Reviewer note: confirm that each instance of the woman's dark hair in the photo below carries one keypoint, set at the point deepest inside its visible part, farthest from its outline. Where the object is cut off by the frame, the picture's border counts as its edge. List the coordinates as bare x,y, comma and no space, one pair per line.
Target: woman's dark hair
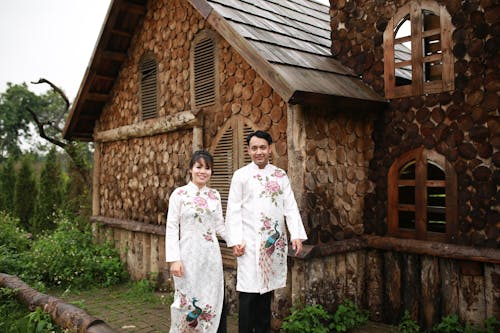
261,135
201,155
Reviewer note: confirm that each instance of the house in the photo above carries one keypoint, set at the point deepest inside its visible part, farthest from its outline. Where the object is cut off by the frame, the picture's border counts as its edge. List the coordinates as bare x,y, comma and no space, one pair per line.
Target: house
390,139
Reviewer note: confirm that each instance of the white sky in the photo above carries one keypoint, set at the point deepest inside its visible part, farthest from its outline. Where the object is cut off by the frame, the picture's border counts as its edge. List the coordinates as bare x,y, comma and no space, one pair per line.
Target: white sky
53,39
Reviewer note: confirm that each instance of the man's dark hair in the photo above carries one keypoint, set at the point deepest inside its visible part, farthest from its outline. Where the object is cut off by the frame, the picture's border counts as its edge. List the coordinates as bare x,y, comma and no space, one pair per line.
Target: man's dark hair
261,135
201,155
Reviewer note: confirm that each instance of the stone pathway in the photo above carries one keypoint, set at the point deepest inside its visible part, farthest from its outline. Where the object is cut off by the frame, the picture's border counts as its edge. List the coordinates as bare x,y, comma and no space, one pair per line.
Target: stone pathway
150,315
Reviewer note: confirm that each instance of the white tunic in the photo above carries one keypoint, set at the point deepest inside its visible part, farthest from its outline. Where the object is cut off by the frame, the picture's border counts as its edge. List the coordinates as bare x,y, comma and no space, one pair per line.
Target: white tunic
194,217
259,201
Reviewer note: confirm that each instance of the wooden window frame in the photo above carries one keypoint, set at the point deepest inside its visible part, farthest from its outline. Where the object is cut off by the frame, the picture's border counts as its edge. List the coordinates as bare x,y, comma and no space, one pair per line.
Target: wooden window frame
421,157
209,91
418,86
149,88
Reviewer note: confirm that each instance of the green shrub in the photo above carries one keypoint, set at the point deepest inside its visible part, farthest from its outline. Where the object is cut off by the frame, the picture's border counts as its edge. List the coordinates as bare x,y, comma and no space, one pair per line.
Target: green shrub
408,325
67,257
14,244
314,318
308,319
348,316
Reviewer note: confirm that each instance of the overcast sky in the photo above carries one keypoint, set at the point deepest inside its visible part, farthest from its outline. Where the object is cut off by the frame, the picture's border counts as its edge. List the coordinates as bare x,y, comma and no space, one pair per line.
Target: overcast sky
53,39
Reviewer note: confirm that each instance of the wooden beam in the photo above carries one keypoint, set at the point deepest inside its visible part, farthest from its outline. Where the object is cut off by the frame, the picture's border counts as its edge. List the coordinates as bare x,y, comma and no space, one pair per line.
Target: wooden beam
437,249
116,56
160,125
98,97
130,225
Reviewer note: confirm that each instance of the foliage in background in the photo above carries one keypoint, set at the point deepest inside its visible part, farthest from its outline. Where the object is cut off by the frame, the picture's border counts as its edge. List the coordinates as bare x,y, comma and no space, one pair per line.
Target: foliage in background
452,324
15,118
315,319
7,185
49,194
25,193
66,257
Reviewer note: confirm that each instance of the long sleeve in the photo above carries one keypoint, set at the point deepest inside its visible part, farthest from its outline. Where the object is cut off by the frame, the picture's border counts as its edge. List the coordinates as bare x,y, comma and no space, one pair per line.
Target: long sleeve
172,249
234,222
291,212
220,227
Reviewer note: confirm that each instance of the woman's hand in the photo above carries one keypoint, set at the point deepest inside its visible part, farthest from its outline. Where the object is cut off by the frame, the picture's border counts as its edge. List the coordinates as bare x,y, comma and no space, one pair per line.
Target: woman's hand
177,269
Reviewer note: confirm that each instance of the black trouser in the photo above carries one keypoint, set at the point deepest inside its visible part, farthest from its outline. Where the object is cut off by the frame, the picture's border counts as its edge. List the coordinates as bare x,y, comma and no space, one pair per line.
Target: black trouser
223,318
255,313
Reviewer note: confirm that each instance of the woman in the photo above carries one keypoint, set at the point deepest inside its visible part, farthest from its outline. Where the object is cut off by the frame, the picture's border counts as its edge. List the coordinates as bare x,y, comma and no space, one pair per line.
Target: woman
194,217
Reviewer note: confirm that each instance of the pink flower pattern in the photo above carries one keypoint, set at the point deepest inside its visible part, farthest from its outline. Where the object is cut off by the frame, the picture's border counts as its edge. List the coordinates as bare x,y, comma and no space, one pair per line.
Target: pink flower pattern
272,188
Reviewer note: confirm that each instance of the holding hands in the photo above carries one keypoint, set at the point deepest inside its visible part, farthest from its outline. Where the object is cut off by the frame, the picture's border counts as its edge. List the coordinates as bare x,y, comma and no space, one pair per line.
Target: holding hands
239,250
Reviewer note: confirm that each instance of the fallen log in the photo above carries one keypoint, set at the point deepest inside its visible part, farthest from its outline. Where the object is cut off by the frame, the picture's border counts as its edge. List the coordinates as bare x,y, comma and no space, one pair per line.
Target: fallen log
64,315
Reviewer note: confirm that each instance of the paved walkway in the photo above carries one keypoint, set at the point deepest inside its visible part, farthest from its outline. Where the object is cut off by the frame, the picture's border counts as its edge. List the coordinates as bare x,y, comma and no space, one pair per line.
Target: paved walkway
127,314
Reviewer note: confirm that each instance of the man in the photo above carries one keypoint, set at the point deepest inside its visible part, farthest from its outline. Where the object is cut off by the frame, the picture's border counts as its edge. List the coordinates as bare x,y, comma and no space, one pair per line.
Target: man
260,202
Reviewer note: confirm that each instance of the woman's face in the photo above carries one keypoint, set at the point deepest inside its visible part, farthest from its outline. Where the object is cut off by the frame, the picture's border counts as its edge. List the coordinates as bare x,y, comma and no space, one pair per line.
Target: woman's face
200,173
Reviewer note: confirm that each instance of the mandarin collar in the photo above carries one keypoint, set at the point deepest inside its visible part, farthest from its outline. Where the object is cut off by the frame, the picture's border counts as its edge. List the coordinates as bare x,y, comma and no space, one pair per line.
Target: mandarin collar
256,167
196,188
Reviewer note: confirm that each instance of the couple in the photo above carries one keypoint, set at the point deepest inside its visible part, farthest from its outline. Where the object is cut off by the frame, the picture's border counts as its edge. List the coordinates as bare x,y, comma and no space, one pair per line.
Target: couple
260,198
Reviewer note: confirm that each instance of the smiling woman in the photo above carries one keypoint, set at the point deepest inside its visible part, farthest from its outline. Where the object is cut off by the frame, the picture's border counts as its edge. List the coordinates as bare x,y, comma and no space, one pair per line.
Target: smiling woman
52,39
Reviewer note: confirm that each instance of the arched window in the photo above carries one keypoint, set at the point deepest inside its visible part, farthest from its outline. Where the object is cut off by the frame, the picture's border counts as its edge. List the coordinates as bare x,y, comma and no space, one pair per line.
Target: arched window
418,56
422,197
204,70
230,154
149,90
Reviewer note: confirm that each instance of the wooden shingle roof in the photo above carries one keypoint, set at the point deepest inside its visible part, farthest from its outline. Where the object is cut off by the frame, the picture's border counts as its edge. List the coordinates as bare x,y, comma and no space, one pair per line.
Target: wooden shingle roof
287,42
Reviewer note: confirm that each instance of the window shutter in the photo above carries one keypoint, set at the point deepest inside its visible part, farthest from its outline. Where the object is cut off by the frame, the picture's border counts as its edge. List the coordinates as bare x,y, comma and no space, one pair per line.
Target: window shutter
223,166
148,68
204,73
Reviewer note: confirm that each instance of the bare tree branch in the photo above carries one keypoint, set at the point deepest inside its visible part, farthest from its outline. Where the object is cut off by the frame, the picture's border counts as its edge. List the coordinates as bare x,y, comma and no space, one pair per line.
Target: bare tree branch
56,89
41,130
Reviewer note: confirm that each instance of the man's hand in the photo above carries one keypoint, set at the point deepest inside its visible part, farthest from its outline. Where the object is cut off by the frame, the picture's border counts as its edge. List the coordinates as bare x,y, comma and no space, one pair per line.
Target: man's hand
177,268
297,246
239,250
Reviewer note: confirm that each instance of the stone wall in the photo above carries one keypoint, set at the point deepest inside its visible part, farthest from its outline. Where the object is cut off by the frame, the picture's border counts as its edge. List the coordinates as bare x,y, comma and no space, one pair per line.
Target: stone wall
339,149
463,125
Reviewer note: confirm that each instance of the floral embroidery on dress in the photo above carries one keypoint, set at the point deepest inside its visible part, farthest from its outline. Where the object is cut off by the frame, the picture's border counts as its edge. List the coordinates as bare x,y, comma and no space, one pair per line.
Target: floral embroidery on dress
197,318
208,236
272,188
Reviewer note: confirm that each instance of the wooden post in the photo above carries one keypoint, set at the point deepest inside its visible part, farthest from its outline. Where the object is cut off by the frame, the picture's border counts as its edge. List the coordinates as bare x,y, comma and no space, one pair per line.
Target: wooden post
197,138
296,141
95,179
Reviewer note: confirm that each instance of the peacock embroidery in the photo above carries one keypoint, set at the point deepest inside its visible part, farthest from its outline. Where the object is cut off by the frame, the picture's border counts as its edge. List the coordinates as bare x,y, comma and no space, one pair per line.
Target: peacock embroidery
272,243
196,318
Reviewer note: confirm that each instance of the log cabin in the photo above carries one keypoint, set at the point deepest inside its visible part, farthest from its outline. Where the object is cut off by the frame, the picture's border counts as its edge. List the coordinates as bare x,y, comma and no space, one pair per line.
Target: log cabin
384,114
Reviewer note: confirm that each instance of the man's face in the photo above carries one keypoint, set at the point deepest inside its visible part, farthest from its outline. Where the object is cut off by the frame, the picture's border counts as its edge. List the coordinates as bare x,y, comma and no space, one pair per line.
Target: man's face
259,150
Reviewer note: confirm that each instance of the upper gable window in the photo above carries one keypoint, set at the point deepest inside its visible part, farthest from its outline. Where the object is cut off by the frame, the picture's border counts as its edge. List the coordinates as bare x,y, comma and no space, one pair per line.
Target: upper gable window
149,90
418,56
204,70
422,196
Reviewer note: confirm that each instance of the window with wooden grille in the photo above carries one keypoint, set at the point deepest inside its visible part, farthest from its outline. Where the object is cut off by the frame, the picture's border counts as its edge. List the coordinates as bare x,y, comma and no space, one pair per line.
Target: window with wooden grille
230,154
418,56
422,197
149,91
204,70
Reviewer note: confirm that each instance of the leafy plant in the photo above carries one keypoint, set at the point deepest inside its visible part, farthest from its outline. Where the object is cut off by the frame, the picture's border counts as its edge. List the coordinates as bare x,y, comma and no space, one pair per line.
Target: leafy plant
408,325
449,324
308,319
491,325
348,316
40,321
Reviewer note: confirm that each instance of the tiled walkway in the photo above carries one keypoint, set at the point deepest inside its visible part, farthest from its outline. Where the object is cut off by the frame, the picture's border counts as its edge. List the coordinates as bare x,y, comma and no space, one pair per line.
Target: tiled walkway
149,315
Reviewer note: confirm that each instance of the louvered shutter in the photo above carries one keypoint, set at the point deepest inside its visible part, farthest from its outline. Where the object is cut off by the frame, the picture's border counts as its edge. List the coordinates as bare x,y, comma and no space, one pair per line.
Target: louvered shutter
223,166
148,87
204,73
